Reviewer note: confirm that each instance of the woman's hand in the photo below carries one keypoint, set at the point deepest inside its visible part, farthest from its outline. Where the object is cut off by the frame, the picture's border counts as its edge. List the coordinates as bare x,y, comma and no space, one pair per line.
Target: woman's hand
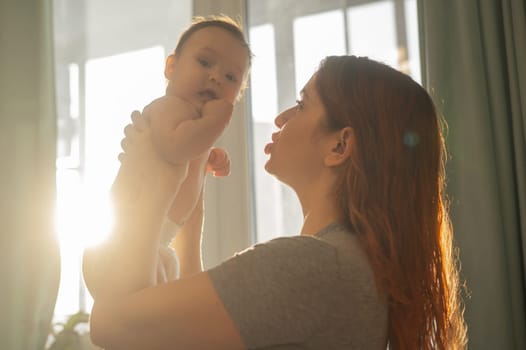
218,162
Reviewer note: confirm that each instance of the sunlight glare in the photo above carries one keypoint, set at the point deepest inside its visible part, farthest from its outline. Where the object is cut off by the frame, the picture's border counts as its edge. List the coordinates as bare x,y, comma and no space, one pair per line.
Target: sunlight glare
83,217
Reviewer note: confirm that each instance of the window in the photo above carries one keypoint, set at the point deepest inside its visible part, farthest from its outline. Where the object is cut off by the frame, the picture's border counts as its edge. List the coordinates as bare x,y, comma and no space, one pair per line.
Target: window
289,38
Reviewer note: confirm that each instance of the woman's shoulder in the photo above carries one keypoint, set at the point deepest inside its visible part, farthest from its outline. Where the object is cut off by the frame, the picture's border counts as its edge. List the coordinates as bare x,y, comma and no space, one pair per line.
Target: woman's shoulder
332,252
323,239
350,252
296,250
282,259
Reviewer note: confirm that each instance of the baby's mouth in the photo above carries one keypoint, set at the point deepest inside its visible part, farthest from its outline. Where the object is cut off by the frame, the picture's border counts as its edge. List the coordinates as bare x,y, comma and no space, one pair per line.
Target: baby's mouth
208,95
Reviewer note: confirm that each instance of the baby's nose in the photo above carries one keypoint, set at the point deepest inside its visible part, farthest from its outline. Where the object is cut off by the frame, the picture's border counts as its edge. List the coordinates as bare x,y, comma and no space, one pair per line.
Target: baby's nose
214,76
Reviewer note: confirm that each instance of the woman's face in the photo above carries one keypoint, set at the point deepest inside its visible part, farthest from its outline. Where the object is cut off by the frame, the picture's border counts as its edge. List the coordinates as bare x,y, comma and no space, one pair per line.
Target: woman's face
297,148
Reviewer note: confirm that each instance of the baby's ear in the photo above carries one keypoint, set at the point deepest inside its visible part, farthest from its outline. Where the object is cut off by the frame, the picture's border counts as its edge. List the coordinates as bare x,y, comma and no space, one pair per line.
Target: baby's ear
341,147
169,67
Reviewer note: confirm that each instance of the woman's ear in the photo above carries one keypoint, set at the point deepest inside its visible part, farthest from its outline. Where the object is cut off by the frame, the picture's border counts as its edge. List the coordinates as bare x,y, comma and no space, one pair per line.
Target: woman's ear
341,147
169,67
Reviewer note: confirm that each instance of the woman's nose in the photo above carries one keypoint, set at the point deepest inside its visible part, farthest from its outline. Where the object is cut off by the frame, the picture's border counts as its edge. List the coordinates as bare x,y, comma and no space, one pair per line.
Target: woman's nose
282,118
278,121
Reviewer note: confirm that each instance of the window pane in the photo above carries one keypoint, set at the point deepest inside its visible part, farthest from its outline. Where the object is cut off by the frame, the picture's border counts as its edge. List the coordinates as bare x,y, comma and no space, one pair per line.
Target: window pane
137,78
413,49
315,37
68,192
264,107
372,31
263,74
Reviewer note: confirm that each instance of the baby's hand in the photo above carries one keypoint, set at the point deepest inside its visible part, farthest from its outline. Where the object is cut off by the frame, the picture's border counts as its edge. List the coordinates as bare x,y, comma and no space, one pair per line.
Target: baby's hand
218,162
218,109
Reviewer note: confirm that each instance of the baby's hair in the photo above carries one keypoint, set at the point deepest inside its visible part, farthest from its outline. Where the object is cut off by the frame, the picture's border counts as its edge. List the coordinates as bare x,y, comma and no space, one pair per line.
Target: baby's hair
221,21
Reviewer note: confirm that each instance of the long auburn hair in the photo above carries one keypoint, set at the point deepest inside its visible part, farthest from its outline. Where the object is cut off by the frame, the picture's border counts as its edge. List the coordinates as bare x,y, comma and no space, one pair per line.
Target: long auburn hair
392,193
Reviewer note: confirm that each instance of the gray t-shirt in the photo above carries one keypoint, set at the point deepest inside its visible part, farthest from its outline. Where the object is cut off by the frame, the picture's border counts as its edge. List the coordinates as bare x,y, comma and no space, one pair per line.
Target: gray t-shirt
304,292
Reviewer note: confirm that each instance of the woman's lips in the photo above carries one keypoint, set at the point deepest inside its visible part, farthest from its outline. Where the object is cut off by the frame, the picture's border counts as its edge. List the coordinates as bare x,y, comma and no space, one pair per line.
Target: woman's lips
268,148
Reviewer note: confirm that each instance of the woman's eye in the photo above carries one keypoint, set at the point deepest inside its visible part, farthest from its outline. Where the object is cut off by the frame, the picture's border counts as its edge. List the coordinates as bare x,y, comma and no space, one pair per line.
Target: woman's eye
299,104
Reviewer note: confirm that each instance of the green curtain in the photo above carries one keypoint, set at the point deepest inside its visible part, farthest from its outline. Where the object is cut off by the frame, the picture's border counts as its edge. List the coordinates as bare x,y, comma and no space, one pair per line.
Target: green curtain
474,64
29,269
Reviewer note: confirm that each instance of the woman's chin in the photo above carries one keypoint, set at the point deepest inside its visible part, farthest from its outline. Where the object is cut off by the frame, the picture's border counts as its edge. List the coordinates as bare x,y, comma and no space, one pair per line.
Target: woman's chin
268,167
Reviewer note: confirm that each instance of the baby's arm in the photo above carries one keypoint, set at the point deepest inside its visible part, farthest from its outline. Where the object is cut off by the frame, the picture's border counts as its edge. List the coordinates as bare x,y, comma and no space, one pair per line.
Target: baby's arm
194,137
187,138
165,115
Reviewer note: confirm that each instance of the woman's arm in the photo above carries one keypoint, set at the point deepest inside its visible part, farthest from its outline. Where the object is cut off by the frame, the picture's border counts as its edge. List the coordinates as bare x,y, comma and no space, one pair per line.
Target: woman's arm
184,314
187,243
132,313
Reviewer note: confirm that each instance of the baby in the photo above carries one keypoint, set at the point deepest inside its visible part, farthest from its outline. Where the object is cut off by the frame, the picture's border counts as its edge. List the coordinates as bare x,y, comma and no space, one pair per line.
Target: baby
205,74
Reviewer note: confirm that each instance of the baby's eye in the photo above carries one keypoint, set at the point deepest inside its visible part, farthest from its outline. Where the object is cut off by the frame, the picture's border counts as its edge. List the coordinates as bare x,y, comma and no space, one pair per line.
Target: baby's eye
203,62
231,77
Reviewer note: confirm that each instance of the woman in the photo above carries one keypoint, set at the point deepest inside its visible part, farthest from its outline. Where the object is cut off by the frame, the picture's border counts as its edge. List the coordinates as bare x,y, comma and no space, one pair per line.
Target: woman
373,264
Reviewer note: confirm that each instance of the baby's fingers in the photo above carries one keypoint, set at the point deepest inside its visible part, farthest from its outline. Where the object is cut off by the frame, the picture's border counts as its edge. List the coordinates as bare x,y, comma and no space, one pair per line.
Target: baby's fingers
139,120
132,138
224,171
129,134
219,162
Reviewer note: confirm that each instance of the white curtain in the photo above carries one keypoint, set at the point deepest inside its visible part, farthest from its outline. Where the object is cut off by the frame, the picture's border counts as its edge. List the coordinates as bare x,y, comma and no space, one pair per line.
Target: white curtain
29,266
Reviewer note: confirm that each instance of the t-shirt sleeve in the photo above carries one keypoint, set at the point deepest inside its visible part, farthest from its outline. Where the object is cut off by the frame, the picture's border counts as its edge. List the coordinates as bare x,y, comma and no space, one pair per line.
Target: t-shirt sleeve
278,292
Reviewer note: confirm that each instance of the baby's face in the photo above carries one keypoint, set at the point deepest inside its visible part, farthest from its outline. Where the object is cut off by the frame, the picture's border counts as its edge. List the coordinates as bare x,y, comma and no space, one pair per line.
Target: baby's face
212,65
